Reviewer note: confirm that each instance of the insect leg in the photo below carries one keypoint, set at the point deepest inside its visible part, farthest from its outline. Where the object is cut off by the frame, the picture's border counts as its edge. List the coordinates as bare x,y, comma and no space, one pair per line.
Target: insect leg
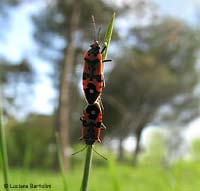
80,150
98,134
104,48
101,104
103,127
99,154
108,60
83,134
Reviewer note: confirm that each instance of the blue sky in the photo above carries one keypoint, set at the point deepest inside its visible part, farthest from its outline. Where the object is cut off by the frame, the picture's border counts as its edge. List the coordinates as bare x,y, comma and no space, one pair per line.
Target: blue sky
184,9
19,43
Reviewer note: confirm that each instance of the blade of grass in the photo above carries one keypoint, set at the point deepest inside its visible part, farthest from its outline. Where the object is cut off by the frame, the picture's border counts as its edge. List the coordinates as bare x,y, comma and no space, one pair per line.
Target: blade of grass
27,155
61,164
108,36
3,144
88,159
113,174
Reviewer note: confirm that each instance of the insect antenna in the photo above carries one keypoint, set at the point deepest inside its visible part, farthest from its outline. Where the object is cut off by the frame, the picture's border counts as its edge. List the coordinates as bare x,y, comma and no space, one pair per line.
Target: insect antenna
79,150
94,26
99,154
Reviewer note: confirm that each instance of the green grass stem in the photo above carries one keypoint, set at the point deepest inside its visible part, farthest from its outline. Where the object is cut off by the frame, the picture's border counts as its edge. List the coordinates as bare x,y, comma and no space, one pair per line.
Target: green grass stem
27,156
3,144
88,161
61,163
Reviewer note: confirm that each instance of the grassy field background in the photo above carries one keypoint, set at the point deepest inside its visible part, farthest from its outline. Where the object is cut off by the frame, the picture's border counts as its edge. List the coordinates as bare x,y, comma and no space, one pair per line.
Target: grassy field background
111,176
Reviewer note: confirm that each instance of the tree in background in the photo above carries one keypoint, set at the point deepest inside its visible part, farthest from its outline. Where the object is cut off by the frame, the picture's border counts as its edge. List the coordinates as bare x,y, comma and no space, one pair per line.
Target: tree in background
29,142
12,74
175,144
156,68
156,150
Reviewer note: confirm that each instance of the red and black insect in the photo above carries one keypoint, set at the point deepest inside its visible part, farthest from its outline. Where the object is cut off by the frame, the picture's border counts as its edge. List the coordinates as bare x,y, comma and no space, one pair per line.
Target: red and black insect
93,79
91,126
91,123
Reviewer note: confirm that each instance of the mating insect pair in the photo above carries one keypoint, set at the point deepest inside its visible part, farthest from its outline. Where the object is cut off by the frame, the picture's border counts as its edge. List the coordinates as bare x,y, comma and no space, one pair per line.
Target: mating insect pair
93,82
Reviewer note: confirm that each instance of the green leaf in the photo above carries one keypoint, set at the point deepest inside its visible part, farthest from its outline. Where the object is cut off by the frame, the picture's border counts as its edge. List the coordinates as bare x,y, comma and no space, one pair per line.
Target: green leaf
3,144
61,163
108,36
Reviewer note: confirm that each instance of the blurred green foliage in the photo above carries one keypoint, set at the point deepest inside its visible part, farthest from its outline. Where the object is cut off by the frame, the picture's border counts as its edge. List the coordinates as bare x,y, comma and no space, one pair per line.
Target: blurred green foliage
195,150
108,175
155,152
181,176
30,142
155,68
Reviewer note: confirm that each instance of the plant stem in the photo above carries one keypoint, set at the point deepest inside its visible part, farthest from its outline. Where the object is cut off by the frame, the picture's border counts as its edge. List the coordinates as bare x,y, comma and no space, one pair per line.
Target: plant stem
3,145
61,163
88,161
